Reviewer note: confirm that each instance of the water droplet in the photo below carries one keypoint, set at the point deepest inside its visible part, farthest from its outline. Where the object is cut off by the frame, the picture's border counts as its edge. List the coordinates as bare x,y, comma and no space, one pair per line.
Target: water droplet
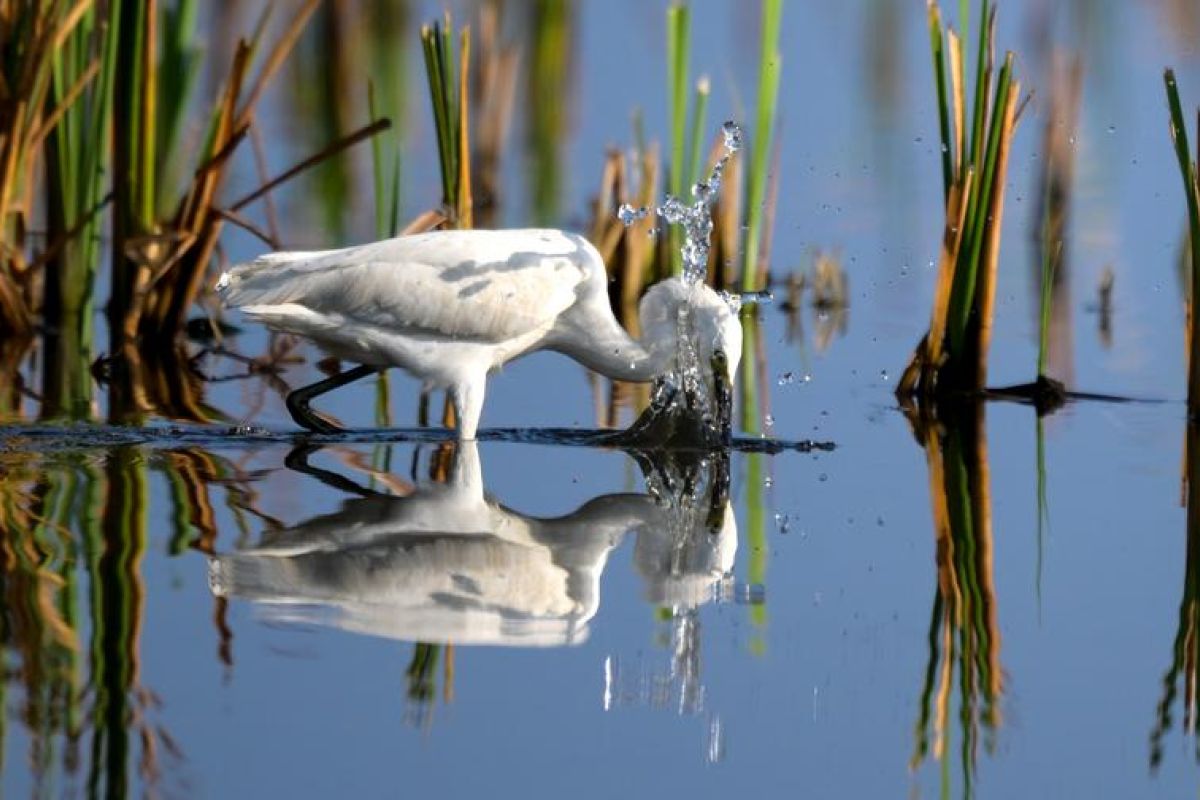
768,482
1112,128
883,374
822,477
769,421
787,378
628,215
783,522
806,378
753,594
733,136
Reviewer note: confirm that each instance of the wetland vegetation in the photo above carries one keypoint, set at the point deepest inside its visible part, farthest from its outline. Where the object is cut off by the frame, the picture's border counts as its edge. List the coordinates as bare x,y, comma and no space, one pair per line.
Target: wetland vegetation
195,593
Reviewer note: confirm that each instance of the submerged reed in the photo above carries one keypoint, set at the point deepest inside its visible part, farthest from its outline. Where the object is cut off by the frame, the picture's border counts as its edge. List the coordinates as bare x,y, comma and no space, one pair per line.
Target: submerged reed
952,356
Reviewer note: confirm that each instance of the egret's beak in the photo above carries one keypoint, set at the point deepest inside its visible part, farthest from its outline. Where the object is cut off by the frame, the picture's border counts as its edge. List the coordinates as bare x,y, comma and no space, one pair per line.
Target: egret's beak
723,396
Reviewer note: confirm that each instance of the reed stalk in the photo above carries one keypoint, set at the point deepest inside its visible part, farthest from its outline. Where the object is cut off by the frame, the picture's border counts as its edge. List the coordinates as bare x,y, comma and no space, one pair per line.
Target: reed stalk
47,62
1053,210
769,68
77,158
450,101
952,356
1187,171
449,98
550,97
678,55
698,125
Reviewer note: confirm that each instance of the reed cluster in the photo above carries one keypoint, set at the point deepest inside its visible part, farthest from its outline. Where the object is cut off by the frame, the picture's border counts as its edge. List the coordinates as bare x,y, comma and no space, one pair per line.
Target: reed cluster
97,96
975,143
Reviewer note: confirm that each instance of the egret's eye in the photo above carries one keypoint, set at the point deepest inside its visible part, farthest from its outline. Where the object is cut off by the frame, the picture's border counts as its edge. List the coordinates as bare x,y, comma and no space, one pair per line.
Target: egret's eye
720,360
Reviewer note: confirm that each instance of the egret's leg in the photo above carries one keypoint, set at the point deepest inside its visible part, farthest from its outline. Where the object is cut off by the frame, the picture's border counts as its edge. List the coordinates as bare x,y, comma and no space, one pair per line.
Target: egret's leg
297,401
468,405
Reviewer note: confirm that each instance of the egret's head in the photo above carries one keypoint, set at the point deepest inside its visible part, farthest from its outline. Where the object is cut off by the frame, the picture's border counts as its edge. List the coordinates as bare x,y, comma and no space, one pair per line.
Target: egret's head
674,308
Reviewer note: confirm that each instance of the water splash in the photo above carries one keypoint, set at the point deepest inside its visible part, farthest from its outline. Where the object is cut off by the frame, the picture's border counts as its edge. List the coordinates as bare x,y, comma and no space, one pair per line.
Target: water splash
696,217
682,393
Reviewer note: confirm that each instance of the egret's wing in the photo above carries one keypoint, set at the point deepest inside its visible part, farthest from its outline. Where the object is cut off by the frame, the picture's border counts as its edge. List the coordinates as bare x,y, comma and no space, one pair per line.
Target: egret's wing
483,285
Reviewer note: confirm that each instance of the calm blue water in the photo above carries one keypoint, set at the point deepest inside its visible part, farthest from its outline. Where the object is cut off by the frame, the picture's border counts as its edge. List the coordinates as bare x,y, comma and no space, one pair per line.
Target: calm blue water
804,669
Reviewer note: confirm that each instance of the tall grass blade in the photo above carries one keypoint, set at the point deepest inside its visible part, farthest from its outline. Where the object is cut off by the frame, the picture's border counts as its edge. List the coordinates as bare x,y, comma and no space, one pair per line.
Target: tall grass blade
985,295
979,119
978,215
678,55
769,67
1187,171
937,46
699,123
449,99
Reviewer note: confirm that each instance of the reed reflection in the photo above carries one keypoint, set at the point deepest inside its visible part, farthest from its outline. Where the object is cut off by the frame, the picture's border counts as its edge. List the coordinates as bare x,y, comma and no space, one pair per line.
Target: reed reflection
1184,671
964,636
73,534
445,563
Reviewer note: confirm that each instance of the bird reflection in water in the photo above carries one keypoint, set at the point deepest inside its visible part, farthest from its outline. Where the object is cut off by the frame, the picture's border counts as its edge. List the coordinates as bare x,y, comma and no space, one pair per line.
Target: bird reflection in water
448,564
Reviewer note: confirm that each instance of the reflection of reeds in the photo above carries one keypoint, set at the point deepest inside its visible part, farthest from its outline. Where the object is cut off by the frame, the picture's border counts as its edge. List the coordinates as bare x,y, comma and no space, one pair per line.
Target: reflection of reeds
72,537
1185,653
964,635
754,416
953,354
73,534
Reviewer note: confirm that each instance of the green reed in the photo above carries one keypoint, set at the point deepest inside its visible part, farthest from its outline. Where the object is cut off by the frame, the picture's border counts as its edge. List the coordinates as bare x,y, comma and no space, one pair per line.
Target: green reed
103,97
1051,256
770,66
551,22
387,225
975,145
1187,171
447,79
48,61
387,191
678,53
687,133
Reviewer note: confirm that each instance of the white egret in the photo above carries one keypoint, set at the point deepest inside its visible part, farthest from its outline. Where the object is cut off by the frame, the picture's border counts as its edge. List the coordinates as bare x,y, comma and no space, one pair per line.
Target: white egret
448,563
451,306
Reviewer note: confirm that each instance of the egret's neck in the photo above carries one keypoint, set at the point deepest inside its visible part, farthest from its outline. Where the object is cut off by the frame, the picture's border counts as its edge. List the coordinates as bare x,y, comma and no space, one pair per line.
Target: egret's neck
609,350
